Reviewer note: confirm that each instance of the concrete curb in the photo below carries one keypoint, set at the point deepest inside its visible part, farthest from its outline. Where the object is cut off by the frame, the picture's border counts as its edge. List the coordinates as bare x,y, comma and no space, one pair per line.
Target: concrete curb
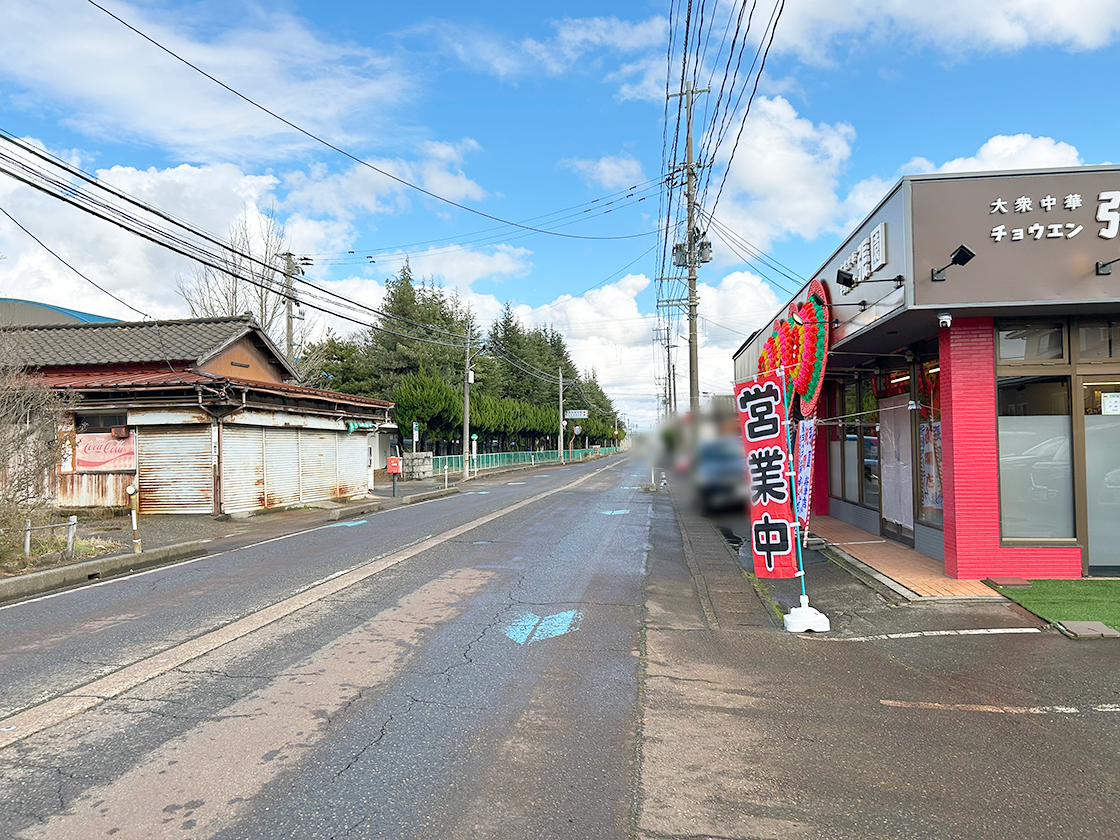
431,494
49,580
351,511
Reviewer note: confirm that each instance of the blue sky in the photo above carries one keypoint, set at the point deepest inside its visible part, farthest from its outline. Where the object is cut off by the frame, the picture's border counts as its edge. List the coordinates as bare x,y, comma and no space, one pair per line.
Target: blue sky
520,112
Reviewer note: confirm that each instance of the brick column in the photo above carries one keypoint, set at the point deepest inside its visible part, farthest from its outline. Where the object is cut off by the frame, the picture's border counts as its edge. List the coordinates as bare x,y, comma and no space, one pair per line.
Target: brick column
970,462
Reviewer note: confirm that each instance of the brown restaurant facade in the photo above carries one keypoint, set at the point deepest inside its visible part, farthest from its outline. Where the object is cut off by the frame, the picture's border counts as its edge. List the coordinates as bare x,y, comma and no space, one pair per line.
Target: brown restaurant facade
972,403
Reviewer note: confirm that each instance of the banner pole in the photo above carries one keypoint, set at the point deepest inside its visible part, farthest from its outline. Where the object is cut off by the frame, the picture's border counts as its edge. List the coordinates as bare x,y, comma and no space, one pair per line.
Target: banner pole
793,490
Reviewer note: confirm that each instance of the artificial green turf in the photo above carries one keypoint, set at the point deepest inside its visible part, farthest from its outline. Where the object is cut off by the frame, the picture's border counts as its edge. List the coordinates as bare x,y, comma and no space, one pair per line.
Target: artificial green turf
1070,600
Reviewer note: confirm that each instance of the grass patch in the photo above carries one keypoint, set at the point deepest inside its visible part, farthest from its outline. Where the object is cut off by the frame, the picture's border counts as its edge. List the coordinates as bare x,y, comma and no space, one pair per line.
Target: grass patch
49,553
1070,600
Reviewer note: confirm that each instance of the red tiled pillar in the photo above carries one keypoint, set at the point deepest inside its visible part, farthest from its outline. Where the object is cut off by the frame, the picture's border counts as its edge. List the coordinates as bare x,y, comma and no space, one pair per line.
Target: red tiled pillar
970,465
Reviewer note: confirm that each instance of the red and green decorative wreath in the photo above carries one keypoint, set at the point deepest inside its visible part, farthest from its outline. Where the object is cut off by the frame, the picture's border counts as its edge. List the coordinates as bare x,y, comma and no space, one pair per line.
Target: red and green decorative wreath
799,348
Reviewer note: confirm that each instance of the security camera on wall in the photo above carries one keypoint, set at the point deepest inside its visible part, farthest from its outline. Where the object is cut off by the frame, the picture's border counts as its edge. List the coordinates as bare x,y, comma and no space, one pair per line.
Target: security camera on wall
944,320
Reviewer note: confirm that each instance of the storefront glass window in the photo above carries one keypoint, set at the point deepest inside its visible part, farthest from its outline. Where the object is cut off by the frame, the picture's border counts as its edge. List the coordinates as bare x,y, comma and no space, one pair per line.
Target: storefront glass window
1035,439
930,504
852,468
869,462
1099,341
1035,342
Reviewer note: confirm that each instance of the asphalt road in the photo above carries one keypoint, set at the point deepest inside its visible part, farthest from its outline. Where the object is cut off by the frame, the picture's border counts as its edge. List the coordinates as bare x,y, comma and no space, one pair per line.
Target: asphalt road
481,684
560,654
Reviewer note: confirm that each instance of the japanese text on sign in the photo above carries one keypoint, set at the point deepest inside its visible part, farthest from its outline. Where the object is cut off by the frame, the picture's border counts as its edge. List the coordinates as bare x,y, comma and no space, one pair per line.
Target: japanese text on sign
762,417
1108,213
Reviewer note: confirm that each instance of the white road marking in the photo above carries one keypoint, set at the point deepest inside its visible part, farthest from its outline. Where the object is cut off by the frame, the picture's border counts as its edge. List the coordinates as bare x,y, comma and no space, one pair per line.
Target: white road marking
991,631
1001,710
64,706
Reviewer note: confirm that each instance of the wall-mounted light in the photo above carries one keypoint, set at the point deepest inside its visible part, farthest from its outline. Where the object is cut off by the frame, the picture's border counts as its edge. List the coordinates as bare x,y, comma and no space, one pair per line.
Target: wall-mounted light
1105,268
845,279
961,256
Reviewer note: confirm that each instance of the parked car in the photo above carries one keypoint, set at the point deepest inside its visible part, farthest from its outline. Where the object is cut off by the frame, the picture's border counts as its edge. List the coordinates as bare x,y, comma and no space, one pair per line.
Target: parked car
719,474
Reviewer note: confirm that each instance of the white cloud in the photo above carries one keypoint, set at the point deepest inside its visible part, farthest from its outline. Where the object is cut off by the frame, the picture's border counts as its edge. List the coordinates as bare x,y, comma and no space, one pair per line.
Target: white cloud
813,28
577,43
642,80
606,330
140,273
785,176
111,83
612,172
360,189
575,37
460,267
211,197
1017,151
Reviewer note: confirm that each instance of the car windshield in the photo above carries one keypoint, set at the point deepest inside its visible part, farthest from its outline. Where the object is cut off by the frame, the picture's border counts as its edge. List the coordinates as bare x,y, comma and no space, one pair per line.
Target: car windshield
724,449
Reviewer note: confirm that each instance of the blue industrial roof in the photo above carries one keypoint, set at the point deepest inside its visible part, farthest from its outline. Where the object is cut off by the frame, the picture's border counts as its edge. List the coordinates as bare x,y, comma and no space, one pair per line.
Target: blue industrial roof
83,317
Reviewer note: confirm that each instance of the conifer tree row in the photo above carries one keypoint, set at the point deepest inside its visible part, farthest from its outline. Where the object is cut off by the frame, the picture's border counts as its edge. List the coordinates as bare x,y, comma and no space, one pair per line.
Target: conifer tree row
416,359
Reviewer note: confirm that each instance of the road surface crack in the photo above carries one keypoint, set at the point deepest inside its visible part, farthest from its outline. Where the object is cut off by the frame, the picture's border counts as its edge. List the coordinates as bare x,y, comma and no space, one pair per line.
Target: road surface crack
382,732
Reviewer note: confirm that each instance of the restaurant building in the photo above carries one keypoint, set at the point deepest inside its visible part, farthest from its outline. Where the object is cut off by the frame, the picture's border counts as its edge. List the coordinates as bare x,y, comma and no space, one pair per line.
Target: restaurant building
971,407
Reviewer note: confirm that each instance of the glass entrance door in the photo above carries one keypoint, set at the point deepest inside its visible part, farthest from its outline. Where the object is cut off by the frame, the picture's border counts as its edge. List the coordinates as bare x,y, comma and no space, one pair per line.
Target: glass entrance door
1102,474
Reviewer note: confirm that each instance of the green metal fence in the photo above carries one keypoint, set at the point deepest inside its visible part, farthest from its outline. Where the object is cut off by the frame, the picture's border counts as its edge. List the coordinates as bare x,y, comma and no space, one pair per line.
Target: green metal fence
495,460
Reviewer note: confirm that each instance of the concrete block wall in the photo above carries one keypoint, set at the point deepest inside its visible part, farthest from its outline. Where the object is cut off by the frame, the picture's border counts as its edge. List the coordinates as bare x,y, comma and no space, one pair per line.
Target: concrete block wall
416,465
970,458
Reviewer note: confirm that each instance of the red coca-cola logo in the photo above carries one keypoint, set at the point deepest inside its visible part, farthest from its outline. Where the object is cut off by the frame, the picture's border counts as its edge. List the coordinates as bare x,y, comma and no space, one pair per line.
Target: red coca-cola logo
103,451
106,448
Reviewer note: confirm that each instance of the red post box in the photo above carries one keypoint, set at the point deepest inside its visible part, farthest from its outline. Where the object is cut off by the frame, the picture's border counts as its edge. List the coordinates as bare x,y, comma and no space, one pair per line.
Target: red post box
393,464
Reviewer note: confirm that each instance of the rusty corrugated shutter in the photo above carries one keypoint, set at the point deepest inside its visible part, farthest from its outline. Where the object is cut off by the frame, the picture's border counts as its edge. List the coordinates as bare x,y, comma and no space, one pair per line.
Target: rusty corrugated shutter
176,470
281,467
242,461
318,464
352,457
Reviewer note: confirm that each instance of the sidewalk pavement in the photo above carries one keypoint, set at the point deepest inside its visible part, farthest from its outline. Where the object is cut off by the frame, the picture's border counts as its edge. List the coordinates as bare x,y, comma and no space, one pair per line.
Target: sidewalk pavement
857,600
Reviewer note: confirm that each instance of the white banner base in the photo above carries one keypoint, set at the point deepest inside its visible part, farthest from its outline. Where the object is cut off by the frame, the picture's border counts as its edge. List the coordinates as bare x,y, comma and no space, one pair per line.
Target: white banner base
805,618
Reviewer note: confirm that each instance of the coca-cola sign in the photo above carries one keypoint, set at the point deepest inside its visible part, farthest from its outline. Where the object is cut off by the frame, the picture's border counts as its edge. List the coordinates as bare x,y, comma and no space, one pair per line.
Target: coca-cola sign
105,453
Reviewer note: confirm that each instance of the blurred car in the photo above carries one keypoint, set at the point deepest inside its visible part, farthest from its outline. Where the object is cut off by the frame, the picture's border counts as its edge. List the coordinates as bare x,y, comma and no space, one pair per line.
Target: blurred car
719,474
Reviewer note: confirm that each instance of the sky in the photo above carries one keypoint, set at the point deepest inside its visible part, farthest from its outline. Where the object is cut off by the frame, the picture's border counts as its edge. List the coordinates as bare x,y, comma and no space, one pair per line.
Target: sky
528,113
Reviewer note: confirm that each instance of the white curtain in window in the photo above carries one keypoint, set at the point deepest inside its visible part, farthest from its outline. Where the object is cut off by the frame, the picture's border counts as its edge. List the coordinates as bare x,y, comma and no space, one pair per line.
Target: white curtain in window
896,461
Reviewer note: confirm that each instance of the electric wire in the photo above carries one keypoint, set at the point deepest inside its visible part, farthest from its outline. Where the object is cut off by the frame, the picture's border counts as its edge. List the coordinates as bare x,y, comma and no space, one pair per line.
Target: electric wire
306,133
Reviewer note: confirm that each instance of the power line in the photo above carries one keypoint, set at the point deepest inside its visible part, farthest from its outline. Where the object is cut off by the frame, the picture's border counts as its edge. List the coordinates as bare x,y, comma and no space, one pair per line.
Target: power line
347,154
773,26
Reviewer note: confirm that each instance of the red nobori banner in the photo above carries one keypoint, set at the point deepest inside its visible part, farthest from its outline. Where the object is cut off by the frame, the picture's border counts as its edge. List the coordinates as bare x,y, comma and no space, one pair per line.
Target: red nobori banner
104,453
762,417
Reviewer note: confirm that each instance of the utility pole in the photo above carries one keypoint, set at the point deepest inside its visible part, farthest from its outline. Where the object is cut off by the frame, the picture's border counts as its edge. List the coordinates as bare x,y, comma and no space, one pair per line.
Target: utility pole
690,193
669,412
695,250
467,403
289,272
674,387
292,268
560,439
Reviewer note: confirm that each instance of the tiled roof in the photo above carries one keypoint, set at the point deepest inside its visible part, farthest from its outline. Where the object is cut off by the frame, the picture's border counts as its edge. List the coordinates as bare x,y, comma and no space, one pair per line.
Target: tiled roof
111,380
124,342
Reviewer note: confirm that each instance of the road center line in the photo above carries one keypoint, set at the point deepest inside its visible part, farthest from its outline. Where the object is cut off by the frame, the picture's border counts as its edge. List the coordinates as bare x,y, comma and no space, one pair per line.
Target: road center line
36,719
